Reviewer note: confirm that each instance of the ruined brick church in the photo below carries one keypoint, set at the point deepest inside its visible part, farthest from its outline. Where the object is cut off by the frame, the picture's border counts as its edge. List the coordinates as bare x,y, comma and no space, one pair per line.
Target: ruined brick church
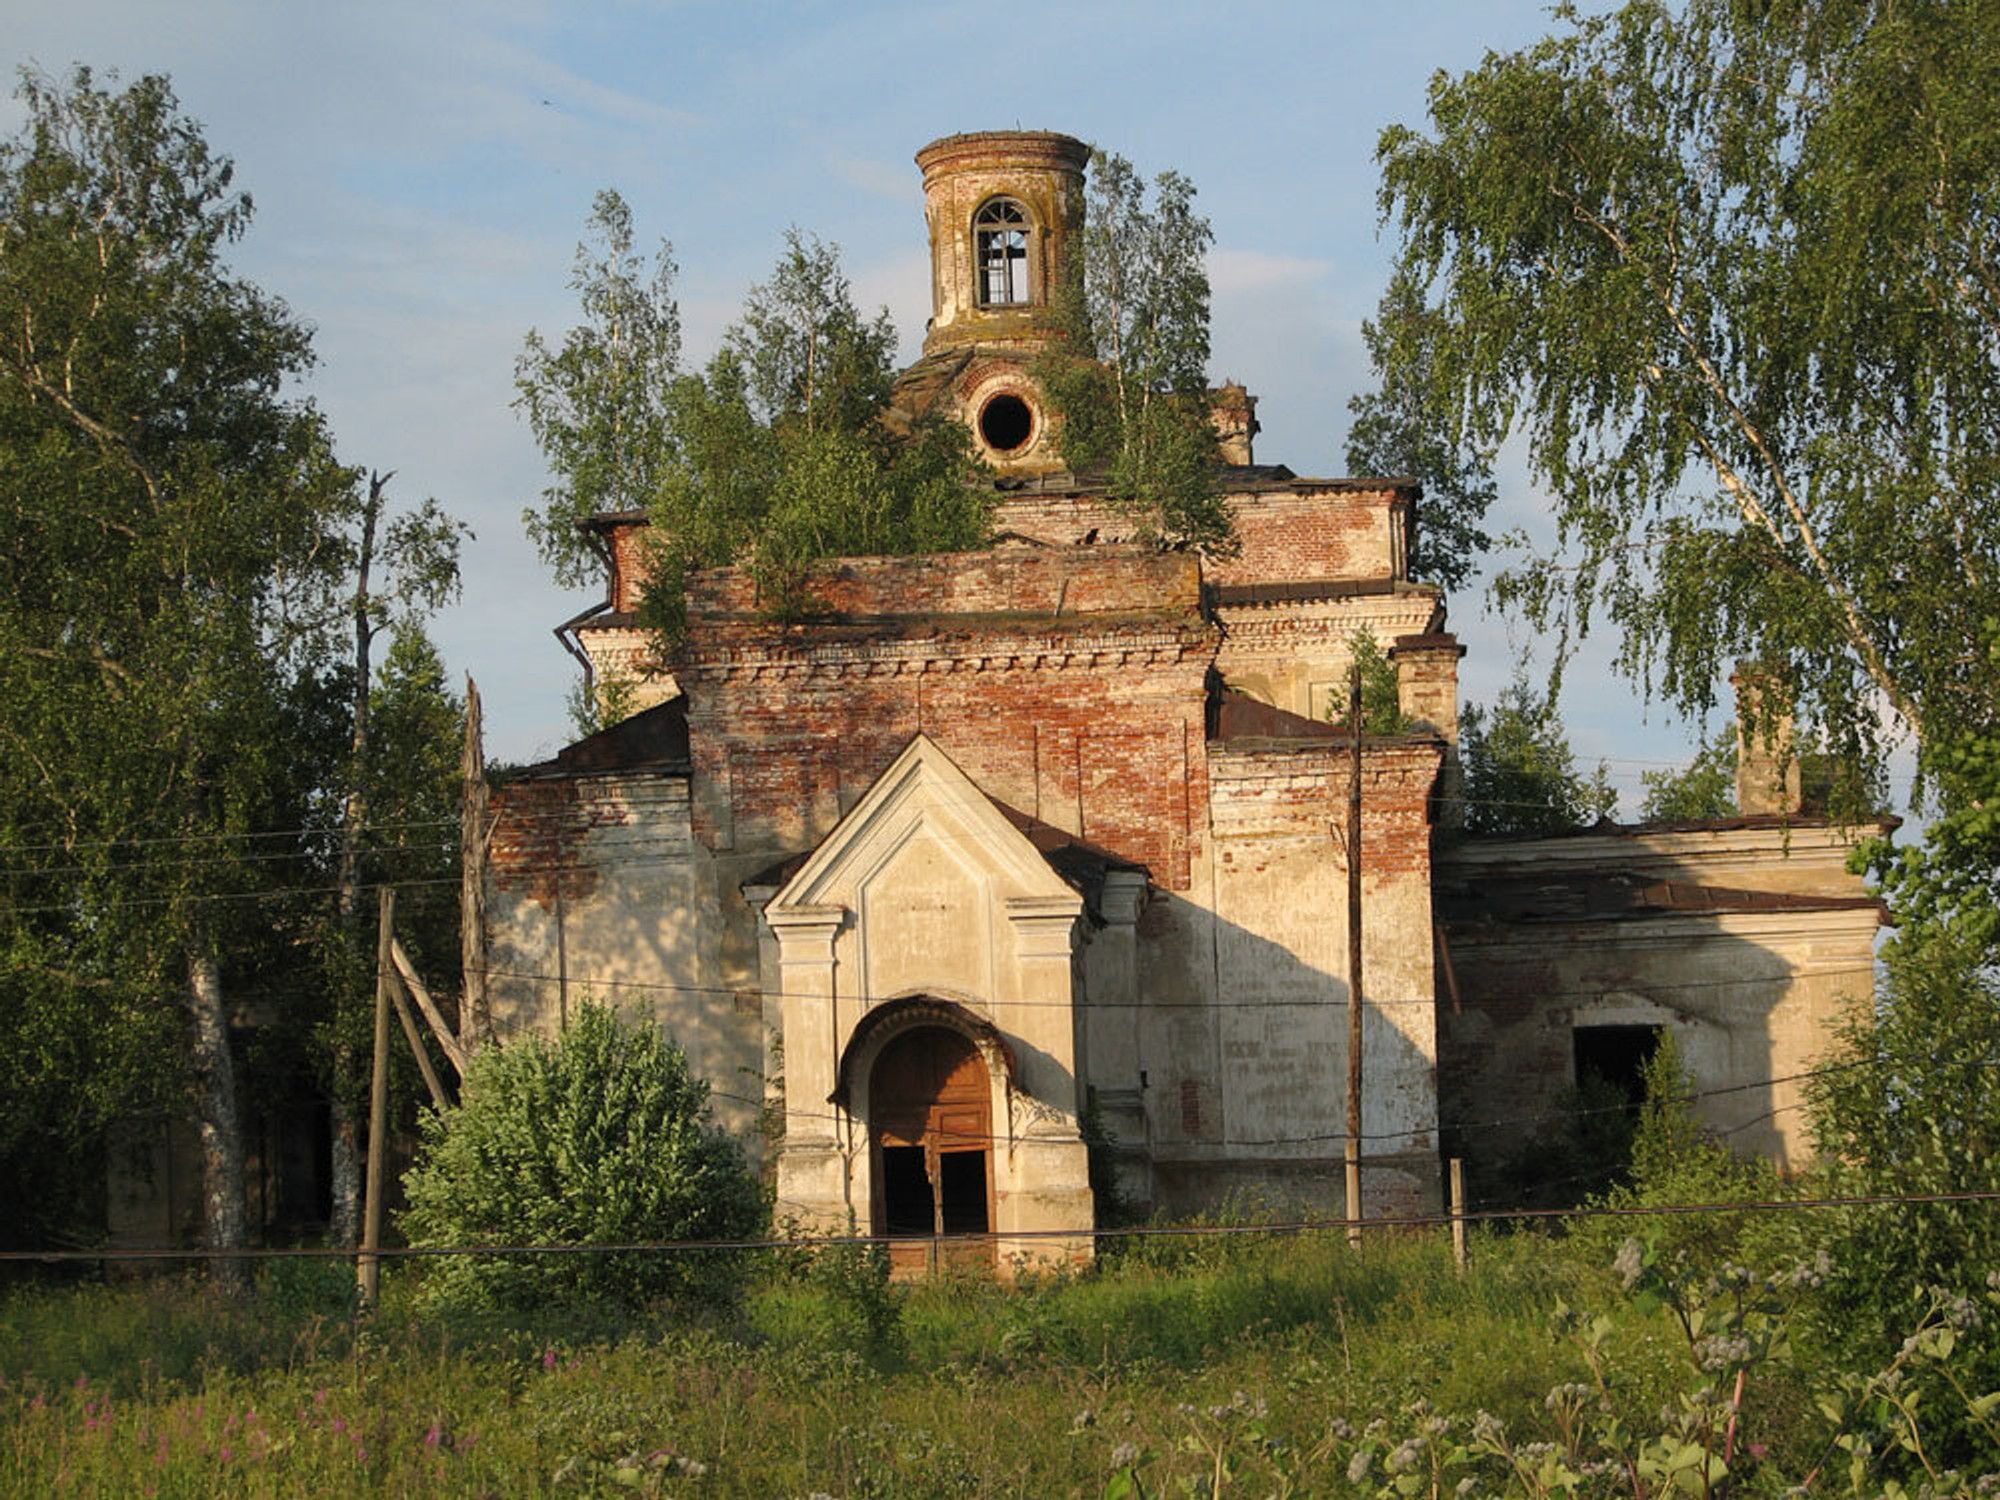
1017,855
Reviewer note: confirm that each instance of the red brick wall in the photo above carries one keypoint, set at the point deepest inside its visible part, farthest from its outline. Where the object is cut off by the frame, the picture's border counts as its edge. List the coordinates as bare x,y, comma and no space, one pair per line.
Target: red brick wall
1098,735
1008,581
539,830
630,567
1291,534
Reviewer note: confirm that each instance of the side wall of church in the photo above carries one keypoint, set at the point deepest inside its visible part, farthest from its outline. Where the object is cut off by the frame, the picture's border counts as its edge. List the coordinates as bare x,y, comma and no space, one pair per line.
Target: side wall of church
599,891
1233,1058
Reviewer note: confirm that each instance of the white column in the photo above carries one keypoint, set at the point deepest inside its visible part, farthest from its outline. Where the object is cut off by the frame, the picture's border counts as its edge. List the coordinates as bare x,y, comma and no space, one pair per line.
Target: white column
812,1177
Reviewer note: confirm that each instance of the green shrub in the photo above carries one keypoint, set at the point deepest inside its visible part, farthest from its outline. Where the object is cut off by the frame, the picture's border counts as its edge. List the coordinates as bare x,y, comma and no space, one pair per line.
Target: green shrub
1676,1160
602,1137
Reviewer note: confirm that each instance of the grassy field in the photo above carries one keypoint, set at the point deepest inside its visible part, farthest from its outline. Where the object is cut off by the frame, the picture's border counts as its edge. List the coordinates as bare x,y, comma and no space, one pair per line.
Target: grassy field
1235,1366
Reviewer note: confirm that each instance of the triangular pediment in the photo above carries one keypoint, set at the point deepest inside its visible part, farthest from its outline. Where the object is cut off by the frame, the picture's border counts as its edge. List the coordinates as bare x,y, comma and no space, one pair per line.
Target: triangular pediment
924,807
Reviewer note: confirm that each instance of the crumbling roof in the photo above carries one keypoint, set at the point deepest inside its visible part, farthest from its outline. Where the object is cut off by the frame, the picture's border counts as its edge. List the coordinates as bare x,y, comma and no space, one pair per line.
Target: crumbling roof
654,739
1570,896
1742,822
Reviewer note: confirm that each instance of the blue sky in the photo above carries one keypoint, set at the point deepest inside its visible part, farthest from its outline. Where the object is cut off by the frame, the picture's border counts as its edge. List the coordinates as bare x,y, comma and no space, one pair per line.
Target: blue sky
421,172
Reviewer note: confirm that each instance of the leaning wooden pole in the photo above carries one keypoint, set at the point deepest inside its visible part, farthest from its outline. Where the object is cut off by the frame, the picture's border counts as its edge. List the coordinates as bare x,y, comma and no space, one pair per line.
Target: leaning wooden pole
475,1019
369,1267
1354,1014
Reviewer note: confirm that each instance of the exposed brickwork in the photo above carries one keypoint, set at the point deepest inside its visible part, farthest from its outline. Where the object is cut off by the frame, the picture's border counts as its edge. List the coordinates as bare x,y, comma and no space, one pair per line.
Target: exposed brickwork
1285,788
1105,742
1292,530
566,829
630,566
539,831
953,586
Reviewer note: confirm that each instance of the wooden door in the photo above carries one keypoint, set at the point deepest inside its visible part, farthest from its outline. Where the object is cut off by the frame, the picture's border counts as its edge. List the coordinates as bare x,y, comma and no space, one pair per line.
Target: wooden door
930,1113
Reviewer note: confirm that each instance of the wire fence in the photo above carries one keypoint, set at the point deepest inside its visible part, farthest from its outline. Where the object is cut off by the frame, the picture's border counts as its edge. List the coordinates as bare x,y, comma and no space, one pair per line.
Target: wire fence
1298,1226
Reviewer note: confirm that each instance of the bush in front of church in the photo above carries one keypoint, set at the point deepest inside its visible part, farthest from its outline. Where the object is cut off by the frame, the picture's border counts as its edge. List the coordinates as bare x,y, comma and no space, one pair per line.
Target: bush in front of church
599,1137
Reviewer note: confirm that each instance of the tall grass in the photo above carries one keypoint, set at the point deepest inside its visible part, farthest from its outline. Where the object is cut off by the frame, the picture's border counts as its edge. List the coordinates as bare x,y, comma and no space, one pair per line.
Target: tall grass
159,1388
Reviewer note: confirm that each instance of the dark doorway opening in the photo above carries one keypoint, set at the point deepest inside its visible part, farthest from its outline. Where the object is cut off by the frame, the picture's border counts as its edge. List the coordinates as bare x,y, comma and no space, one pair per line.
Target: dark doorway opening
1006,423
962,1191
1615,1056
906,1192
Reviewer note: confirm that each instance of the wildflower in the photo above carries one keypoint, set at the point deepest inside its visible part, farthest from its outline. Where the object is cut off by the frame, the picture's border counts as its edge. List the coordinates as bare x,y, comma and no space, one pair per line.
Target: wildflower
1404,1456
434,1436
1630,1263
1358,1466
1124,1455
319,1396
549,1358
227,1454
1721,1352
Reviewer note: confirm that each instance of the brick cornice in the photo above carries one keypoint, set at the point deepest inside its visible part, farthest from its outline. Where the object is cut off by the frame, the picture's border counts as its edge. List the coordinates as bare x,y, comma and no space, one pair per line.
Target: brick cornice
1089,651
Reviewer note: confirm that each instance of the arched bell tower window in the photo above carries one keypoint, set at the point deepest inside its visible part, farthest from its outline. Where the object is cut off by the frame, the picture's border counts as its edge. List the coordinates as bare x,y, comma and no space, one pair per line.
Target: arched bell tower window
1000,230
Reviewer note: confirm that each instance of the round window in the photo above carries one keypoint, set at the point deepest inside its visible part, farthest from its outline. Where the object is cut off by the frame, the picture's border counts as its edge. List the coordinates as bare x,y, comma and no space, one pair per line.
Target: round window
1006,423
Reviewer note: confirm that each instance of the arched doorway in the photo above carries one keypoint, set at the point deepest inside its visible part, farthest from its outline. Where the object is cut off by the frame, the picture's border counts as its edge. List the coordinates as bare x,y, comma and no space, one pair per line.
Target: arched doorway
930,1118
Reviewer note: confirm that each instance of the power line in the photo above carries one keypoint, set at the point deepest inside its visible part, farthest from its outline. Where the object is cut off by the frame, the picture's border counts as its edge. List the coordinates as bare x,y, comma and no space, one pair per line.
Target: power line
589,981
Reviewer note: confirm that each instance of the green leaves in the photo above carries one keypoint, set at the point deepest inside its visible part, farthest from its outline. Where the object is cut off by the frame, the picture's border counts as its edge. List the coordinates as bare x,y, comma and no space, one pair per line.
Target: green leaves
781,457
1728,270
599,1136
1410,426
1520,777
597,405
1129,379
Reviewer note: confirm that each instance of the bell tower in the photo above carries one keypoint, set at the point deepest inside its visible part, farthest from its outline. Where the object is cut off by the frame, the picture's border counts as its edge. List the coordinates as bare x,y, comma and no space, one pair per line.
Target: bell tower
1003,209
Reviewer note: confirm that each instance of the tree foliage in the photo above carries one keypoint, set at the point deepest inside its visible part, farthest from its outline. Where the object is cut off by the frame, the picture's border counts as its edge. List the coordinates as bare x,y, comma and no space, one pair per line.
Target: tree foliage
601,1136
597,404
1906,1104
1520,777
1410,426
1704,788
1128,379
162,510
773,456
1381,697
177,555
1729,268
781,456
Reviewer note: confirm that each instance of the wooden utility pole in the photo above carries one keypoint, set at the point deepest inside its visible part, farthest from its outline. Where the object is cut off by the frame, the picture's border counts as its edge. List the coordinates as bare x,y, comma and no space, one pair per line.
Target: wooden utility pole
1458,1252
475,1020
1354,964
369,1267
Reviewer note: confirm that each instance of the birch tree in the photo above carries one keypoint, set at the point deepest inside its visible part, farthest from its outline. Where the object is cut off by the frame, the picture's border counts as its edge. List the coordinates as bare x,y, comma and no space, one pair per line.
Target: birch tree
1730,271
1129,378
170,561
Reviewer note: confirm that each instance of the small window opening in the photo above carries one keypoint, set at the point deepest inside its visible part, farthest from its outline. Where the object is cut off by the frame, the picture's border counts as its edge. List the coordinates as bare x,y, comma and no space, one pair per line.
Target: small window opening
1616,1055
1001,228
1006,423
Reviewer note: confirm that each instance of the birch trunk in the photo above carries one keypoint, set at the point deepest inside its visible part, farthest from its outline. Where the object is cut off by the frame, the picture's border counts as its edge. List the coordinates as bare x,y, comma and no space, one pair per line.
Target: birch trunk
345,1226
225,1225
